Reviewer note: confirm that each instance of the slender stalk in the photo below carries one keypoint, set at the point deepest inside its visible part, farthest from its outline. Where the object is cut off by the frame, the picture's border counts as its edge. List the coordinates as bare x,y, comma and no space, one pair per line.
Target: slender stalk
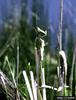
28,85
12,74
43,83
37,64
60,43
17,57
72,70
17,66
60,24
49,87
34,87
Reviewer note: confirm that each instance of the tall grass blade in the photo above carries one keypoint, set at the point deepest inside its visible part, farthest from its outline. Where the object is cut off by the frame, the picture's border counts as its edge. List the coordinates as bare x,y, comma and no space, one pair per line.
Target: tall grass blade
28,85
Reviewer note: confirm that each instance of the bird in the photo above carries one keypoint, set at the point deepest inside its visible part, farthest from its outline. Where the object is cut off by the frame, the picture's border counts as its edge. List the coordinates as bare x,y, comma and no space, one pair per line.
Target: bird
63,64
63,60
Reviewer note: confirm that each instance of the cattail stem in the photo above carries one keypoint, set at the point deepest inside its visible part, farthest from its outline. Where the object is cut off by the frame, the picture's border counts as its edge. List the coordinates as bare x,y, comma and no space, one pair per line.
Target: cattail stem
60,42
37,64
43,83
17,57
60,24
72,70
